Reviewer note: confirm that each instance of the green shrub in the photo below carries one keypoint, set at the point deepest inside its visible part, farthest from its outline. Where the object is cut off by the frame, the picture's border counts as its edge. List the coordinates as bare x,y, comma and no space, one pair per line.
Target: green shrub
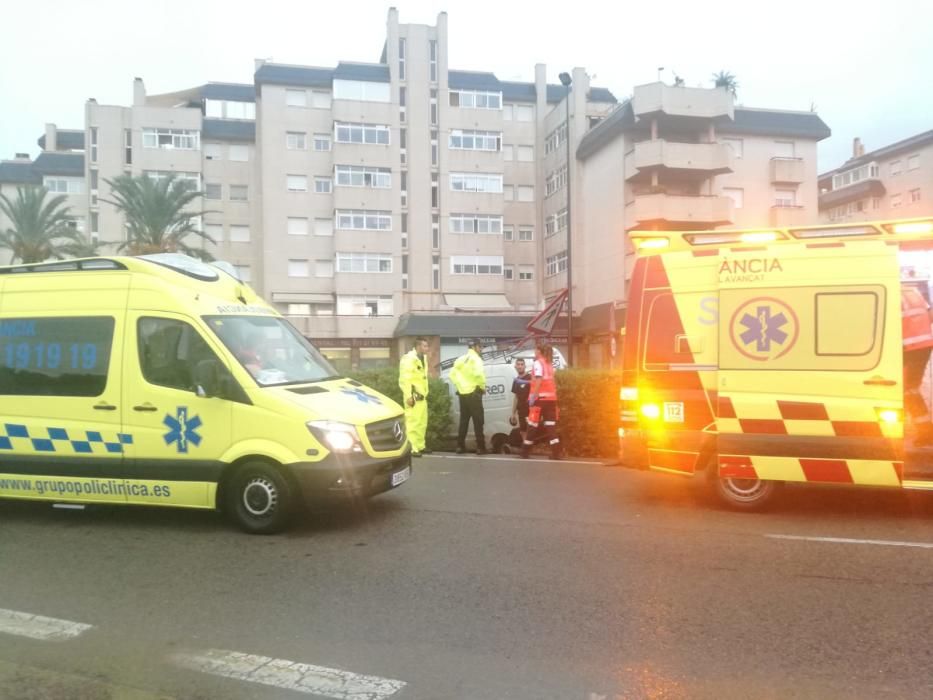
589,411
385,381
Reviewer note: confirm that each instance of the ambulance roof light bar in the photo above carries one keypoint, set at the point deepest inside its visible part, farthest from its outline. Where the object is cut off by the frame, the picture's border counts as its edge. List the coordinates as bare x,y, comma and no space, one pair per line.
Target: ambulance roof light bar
721,237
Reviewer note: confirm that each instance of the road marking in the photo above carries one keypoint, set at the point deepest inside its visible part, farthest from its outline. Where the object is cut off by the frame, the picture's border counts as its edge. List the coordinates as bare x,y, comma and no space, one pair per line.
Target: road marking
291,675
846,540
47,629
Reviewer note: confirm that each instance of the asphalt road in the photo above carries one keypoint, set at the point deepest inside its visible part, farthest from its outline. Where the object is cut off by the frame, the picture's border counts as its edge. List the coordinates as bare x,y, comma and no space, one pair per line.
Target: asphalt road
481,578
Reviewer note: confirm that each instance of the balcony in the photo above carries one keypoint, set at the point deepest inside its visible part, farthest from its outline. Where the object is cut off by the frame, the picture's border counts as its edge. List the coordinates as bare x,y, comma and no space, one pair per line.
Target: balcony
783,216
699,103
789,170
852,193
698,159
678,210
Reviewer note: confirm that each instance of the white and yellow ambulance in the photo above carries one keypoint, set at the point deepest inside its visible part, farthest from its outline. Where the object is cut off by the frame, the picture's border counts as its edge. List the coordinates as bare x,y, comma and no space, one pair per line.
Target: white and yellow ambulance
162,380
761,357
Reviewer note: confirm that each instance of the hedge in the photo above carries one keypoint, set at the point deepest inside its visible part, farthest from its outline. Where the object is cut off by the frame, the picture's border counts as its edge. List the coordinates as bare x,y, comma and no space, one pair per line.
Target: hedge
589,409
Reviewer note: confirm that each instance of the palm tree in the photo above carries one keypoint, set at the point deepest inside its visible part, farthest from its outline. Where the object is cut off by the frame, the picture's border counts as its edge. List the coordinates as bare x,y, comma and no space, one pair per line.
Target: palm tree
39,227
81,247
726,81
157,216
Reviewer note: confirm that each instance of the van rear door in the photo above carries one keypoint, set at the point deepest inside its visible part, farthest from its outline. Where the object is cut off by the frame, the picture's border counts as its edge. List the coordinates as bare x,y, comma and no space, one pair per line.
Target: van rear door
810,367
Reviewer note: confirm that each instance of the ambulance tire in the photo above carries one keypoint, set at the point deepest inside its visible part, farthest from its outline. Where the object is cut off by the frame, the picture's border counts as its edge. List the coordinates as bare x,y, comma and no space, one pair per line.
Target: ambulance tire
258,499
743,494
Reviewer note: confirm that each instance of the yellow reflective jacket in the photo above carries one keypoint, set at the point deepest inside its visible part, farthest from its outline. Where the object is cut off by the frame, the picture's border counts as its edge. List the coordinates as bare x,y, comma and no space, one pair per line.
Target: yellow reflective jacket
412,372
468,374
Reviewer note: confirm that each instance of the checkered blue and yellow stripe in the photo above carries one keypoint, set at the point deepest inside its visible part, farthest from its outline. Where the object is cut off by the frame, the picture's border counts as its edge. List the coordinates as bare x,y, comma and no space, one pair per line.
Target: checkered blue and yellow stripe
21,438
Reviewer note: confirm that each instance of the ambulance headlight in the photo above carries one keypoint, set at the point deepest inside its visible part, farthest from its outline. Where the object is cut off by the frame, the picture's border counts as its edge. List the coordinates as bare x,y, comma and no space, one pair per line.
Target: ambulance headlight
339,437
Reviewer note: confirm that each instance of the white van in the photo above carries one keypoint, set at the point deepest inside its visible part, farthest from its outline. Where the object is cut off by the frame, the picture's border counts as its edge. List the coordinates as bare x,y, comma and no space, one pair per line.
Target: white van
497,405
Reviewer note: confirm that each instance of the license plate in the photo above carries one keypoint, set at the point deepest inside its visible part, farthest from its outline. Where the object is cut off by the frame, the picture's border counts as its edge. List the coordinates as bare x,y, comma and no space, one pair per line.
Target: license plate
401,477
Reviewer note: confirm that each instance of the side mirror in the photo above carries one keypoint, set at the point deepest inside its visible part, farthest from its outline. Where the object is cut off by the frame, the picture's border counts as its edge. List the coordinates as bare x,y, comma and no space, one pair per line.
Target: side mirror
207,379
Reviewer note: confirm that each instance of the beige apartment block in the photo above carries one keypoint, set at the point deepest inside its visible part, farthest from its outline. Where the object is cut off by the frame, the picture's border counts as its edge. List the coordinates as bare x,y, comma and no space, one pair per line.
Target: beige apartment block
892,182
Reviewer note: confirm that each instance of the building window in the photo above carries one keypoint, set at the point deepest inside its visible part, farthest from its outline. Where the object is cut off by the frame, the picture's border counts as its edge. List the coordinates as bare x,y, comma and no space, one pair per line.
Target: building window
850,177
554,139
435,231
509,192
322,142
297,183
296,98
402,46
361,176
192,180
476,264
736,194
526,154
784,149
215,232
468,140
432,57
507,152
507,112
895,201
94,141
298,268
526,272
95,223
323,227
323,185
364,306
362,133
785,198
475,223
435,191
213,190
364,262
239,234
556,263
915,195
475,99
509,272
526,234
435,271
363,220
434,148
402,107
479,182
299,310
526,193
524,113
127,147
320,99
178,139
737,146
64,185
556,181
896,167
213,151
296,140
913,162
508,233
243,273
323,268
433,106
239,193
555,222
297,226
362,91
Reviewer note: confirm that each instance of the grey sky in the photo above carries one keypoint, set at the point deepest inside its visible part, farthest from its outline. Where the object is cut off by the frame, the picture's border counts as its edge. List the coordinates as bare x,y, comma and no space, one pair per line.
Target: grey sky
867,72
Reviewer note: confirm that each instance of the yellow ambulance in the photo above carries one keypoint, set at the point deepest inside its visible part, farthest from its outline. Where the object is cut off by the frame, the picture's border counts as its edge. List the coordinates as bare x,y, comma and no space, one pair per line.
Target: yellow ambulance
162,380
761,357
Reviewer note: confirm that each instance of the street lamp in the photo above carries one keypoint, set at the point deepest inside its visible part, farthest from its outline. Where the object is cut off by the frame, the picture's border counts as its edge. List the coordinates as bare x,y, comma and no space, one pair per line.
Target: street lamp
566,80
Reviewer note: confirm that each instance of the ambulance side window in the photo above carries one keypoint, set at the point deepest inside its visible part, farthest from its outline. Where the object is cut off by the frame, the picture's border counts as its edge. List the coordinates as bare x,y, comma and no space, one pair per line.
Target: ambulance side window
55,356
169,352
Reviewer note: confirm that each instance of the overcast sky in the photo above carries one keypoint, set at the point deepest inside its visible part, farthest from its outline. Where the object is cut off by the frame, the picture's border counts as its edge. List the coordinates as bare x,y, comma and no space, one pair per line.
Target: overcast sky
867,73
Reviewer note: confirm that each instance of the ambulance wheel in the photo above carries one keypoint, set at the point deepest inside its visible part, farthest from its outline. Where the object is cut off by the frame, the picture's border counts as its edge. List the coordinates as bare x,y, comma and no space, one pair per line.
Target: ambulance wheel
743,494
258,499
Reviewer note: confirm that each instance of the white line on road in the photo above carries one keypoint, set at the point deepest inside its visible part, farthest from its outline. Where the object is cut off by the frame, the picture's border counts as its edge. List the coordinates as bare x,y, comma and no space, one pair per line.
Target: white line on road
846,540
291,675
48,629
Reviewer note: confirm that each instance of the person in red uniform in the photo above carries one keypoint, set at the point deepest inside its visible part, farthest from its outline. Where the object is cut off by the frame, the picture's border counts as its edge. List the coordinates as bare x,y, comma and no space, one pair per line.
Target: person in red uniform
542,402
916,317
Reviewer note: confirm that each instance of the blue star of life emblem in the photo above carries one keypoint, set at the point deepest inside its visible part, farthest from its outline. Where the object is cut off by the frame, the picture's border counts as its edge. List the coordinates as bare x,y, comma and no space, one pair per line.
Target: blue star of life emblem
361,395
763,328
182,429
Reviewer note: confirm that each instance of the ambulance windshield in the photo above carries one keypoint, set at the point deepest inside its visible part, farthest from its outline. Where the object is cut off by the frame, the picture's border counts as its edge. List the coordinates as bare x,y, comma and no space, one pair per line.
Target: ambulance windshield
271,350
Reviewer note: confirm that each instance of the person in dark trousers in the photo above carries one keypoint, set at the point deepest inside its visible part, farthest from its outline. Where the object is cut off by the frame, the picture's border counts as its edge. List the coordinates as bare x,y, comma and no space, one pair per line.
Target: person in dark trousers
917,334
521,387
469,378
542,402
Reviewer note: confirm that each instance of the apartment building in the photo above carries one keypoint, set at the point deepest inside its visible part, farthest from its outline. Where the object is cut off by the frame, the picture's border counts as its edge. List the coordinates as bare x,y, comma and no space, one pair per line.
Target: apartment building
892,182
679,158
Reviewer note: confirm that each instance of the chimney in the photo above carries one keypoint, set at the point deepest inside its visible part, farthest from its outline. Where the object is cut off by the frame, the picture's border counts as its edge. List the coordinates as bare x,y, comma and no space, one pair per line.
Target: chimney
51,138
858,149
139,92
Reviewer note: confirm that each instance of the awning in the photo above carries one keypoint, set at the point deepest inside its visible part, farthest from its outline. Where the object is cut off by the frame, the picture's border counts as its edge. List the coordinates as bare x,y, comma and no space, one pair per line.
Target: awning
302,298
487,302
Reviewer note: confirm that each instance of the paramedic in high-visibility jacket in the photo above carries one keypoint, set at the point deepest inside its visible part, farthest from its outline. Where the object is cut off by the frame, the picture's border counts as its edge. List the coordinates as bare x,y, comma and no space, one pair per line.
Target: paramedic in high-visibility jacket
469,379
918,341
413,381
542,402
